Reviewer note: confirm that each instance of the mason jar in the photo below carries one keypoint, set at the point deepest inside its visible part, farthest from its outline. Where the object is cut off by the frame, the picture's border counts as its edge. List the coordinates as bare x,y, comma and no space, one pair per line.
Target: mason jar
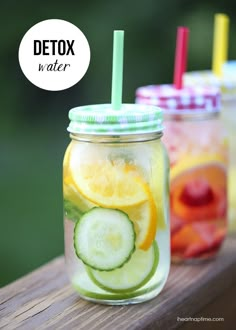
115,187
227,85
197,146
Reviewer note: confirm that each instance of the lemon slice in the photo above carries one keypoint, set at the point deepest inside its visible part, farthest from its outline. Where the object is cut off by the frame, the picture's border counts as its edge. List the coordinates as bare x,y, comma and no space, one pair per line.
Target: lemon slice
66,160
107,183
72,195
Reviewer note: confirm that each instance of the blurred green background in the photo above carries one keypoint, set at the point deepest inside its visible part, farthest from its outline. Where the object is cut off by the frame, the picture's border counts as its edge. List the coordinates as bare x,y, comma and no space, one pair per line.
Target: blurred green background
33,122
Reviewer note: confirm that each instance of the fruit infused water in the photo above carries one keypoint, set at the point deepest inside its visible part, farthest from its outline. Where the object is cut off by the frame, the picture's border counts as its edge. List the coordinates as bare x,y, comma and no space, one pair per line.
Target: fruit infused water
227,85
229,119
116,204
222,76
197,149
115,187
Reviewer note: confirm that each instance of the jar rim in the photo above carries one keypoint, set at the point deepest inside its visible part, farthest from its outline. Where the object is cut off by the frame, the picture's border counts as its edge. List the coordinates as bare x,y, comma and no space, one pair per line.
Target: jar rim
128,138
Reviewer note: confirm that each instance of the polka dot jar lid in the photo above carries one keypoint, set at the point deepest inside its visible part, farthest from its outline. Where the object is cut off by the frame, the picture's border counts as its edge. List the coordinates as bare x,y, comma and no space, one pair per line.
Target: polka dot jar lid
101,119
226,83
185,100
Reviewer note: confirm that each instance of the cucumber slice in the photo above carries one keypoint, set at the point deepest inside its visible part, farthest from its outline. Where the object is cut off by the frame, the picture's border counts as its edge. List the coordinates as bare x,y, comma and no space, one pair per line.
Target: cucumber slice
132,276
104,239
87,289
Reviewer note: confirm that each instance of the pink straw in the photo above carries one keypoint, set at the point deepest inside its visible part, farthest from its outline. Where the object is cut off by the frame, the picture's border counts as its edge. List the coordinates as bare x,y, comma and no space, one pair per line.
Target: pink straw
180,56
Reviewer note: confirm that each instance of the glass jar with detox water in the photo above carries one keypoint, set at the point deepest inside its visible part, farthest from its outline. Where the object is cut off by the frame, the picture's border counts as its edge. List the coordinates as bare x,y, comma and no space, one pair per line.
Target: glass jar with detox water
115,186
195,140
227,85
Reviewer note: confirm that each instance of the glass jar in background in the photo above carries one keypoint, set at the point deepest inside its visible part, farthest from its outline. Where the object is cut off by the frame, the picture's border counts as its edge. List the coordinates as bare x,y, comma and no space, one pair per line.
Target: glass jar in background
116,221
197,148
227,85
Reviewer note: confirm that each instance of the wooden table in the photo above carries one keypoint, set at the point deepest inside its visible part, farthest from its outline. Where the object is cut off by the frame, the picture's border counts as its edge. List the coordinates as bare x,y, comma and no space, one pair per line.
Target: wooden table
44,299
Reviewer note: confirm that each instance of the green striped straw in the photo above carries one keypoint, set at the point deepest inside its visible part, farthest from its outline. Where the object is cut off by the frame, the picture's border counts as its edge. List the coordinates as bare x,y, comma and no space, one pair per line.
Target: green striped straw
117,70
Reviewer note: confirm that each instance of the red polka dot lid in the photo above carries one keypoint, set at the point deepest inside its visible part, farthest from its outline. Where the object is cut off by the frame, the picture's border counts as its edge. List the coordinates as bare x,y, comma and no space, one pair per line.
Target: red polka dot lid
187,99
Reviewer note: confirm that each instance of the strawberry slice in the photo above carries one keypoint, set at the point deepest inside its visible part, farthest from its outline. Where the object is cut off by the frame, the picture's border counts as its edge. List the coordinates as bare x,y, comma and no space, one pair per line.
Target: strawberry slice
197,192
196,239
184,238
208,248
206,230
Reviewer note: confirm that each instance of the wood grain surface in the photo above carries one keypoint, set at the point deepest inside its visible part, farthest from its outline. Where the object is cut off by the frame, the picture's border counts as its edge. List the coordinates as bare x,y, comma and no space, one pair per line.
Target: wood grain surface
44,299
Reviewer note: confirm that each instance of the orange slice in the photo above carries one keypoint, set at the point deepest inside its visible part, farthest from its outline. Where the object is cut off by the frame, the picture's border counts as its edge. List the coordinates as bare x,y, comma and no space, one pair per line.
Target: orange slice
109,184
144,217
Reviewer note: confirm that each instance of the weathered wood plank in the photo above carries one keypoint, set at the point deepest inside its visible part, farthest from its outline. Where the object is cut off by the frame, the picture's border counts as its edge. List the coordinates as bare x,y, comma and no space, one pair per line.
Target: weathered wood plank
44,299
222,307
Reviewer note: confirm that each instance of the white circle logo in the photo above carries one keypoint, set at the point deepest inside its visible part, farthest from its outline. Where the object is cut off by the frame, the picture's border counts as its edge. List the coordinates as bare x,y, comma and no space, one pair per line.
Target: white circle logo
54,55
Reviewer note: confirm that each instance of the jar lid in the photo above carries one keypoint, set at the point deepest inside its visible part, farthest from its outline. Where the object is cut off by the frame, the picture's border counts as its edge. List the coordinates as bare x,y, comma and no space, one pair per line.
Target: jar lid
186,100
101,119
226,83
